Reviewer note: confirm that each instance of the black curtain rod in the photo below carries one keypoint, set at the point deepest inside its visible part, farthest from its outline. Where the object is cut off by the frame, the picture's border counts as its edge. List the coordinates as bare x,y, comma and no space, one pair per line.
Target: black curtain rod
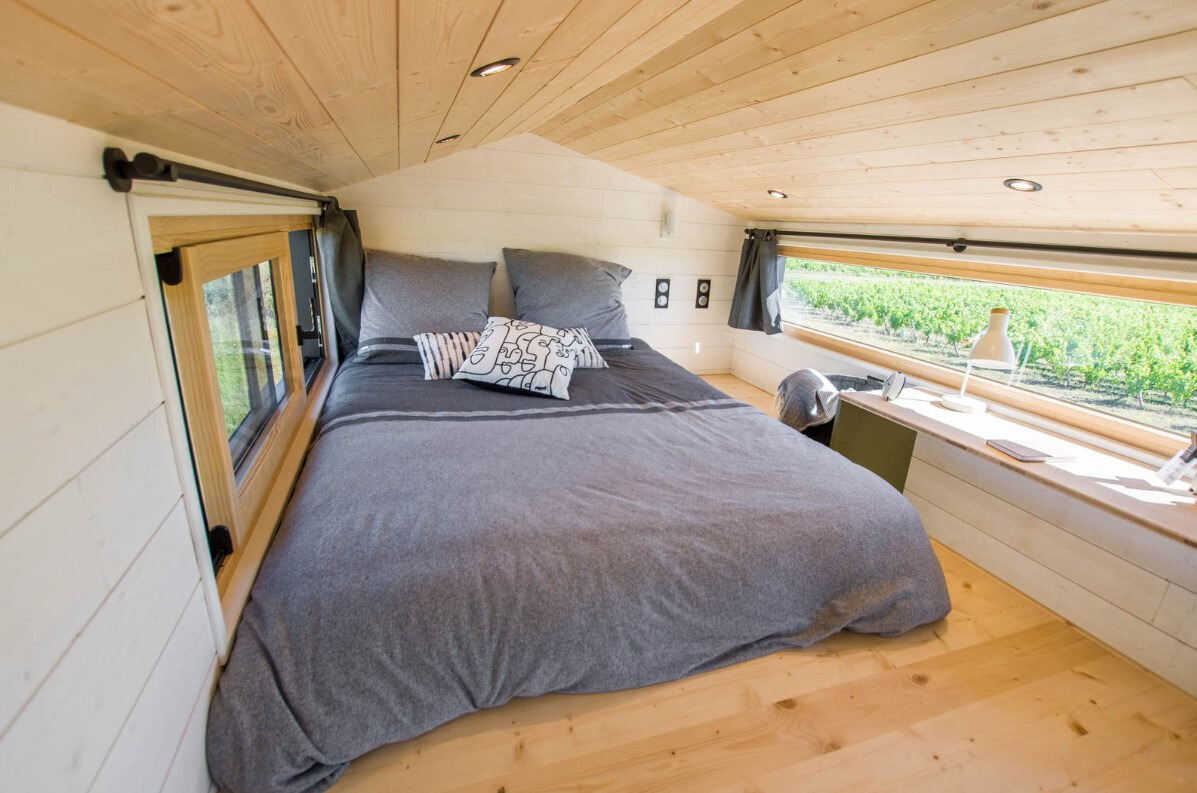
120,172
960,245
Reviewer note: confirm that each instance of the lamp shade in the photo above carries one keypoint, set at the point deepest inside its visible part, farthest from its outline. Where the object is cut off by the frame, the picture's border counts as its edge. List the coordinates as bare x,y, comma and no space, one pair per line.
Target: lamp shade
994,350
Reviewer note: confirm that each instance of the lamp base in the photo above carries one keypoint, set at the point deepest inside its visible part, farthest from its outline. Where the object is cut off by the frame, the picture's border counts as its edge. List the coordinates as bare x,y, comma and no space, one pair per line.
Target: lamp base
963,404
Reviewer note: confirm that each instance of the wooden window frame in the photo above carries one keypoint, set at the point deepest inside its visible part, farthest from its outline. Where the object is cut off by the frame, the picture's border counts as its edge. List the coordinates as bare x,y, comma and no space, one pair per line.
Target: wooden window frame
250,505
1108,427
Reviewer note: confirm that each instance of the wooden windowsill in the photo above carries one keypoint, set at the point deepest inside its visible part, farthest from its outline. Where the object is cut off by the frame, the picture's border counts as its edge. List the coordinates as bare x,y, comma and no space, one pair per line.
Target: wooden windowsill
1104,425
1113,483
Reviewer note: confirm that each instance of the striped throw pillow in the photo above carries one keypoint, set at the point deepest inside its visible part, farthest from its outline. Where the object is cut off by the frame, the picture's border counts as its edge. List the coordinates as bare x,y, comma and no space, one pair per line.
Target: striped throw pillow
587,354
443,353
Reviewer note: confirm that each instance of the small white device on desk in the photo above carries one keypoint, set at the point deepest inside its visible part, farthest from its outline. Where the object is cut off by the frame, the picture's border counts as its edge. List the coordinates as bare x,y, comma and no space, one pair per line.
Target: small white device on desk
992,351
1182,464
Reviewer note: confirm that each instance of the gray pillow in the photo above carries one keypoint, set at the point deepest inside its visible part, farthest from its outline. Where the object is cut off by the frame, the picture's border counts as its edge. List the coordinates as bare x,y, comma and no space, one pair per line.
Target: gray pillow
568,291
406,295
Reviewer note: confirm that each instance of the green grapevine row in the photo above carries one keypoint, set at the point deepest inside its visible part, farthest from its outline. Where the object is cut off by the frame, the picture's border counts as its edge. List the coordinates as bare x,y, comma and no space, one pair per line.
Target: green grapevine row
1131,348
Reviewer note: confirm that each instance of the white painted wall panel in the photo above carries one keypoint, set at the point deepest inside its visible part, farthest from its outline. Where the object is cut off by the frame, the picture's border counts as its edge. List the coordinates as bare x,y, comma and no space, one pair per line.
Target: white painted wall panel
74,549
1178,614
108,649
50,585
85,271
127,490
75,391
189,768
1106,575
62,736
526,192
142,754
1151,551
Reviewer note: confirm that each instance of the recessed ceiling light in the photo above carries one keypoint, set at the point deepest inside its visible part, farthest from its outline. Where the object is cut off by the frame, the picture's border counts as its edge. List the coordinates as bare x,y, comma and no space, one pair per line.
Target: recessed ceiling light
448,138
494,68
1023,185
777,194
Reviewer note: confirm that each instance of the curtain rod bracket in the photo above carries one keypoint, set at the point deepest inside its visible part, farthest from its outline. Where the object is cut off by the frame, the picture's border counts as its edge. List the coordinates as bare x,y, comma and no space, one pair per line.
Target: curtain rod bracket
115,163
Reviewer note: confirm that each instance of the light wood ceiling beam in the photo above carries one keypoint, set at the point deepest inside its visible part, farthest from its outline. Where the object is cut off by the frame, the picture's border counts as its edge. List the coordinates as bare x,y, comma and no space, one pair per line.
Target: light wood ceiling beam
346,52
647,29
1145,132
1127,219
1166,158
53,70
789,31
1178,177
854,108
1132,64
588,20
925,28
517,31
715,33
437,44
1057,184
989,197
1102,107
221,55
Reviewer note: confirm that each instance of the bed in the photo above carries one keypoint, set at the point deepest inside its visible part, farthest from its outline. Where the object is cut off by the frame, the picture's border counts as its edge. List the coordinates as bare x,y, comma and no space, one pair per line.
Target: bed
448,548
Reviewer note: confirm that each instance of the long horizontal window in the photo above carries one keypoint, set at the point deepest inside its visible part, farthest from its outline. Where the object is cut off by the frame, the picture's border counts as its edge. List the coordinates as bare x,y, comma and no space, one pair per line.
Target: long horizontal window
1134,359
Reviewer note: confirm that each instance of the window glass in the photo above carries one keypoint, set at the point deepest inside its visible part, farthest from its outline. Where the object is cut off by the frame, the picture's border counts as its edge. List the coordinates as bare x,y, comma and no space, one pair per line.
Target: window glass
1131,358
243,321
307,302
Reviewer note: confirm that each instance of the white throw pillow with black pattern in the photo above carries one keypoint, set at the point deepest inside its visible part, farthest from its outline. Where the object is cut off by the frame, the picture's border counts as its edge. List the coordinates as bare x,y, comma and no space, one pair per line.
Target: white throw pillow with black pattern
444,353
588,354
523,357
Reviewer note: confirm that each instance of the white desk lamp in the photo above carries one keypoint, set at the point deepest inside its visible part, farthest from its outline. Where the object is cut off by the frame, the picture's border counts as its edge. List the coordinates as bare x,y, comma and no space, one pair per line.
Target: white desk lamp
992,351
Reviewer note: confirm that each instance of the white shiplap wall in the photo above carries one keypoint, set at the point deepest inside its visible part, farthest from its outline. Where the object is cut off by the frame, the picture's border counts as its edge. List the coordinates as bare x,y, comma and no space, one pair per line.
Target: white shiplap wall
108,656
526,192
1126,585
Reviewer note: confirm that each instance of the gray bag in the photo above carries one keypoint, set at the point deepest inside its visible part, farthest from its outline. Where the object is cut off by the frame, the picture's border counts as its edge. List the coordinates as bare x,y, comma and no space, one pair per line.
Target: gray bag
807,398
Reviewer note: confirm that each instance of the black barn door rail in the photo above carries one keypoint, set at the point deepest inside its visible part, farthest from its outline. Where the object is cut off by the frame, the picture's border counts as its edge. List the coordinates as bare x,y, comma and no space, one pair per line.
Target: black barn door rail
960,245
121,172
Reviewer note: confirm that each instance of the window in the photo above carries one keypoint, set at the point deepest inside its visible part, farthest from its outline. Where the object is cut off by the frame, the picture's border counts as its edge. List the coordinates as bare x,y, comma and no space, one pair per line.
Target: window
1133,359
243,325
248,343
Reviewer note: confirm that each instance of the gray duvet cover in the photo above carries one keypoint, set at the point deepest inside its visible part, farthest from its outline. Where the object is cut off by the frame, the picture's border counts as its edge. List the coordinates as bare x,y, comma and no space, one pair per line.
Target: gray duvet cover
448,548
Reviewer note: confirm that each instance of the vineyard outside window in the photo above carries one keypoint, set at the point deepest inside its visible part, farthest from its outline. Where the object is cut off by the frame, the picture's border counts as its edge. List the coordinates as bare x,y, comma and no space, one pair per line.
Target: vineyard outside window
1131,358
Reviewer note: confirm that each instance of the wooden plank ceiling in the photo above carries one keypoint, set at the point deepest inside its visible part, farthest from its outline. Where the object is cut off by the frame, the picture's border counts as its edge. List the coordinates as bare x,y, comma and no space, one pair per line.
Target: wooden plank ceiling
862,111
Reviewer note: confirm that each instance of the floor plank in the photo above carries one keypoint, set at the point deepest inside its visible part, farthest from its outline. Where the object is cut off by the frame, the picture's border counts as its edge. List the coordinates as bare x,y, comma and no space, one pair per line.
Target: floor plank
1002,695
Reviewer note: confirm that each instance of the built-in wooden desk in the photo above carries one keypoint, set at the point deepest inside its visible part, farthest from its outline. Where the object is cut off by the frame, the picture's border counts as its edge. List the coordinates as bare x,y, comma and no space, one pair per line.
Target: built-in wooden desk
1113,483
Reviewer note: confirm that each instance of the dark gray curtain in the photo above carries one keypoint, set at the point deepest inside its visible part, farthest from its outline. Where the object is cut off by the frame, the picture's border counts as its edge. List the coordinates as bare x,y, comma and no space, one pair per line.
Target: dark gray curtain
756,304
343,260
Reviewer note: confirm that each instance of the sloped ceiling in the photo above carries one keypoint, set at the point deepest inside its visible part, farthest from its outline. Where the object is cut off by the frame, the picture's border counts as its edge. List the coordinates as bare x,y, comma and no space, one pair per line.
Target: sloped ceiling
862,111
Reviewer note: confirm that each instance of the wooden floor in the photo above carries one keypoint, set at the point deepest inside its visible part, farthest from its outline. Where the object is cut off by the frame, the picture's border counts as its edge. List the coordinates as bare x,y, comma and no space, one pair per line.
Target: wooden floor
1000,696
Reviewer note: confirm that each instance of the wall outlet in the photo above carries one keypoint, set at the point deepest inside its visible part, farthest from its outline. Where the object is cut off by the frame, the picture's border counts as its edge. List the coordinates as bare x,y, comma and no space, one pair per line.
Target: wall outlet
661,294
703,298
